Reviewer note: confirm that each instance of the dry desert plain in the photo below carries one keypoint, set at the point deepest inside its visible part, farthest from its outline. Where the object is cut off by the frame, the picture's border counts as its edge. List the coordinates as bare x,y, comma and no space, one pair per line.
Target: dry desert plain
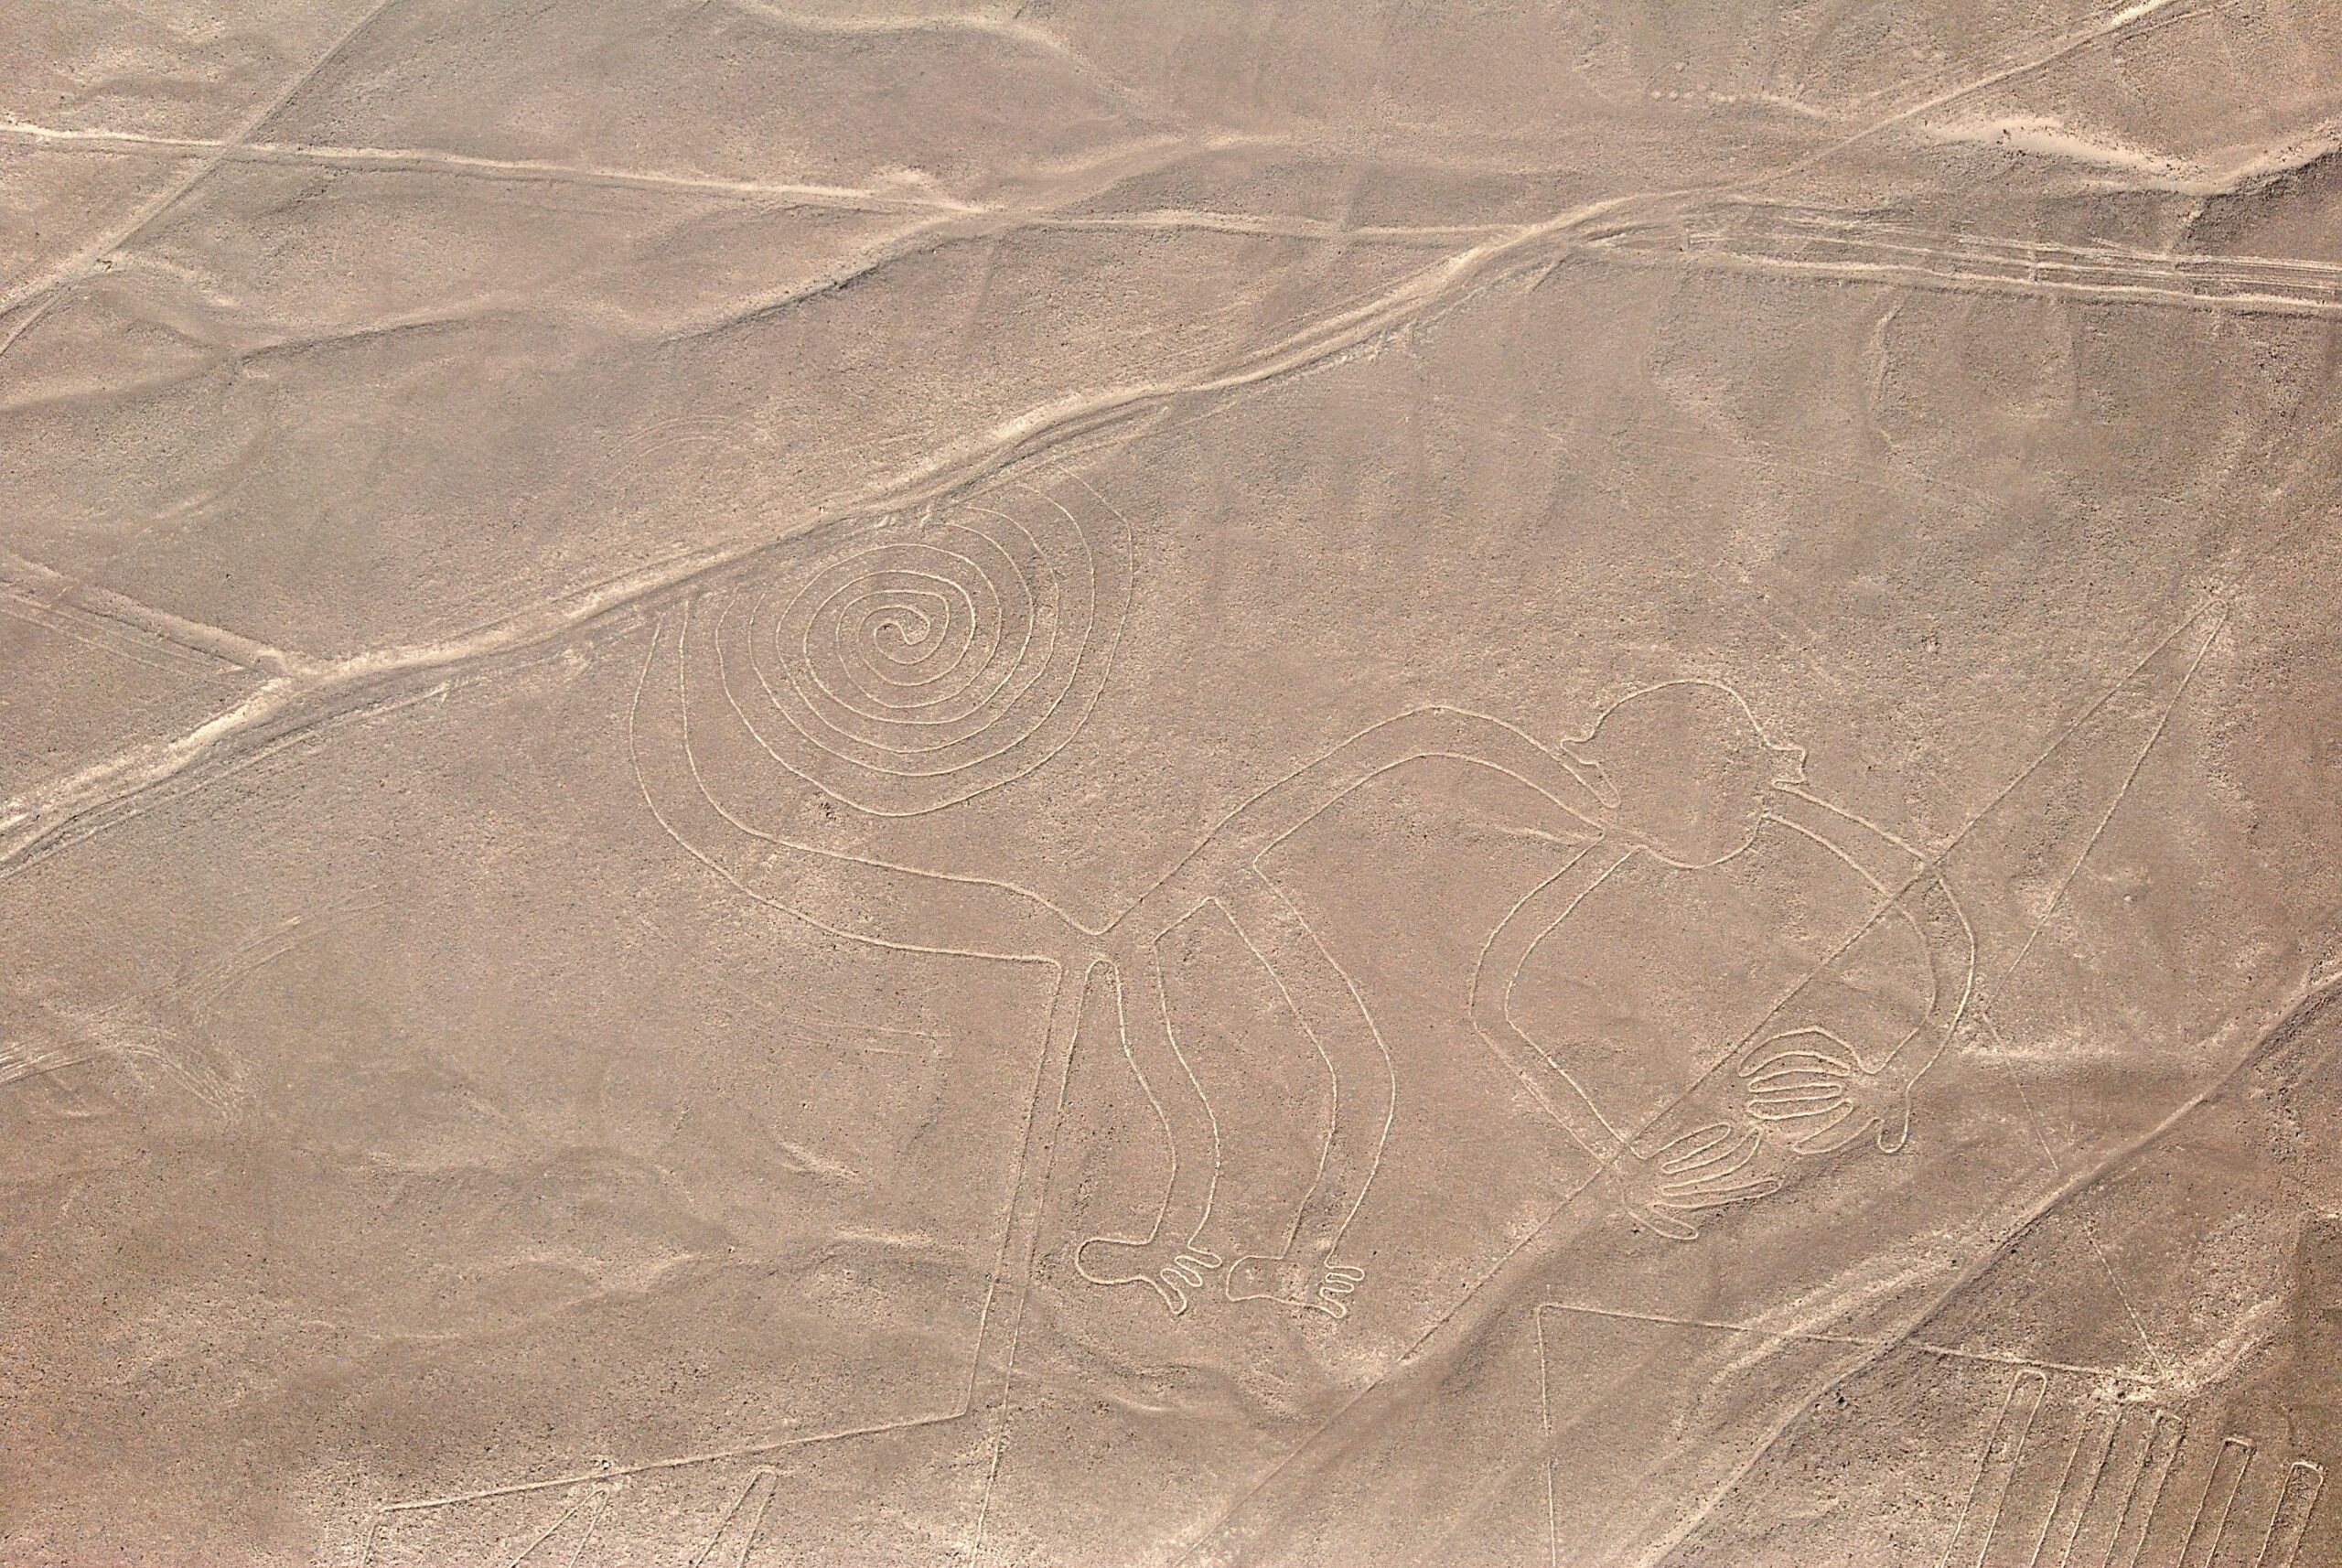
1107,782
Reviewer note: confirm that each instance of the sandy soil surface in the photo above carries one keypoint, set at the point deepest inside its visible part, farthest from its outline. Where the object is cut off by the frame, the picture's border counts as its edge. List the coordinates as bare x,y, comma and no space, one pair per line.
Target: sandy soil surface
1102,782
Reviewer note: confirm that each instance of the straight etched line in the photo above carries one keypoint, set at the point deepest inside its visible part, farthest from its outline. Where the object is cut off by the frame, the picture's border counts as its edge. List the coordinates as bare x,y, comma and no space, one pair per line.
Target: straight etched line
95,256
749,1507
2007,976
2104,1499
2146,1492
1948,1352
2303,1481
1988,1493
416,1505
2212,1510
1545,1419
2065,1521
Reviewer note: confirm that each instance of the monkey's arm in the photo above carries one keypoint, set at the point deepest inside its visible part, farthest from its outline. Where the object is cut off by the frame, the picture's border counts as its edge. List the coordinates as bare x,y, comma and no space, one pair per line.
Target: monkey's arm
1499,966
1566,786
1919,896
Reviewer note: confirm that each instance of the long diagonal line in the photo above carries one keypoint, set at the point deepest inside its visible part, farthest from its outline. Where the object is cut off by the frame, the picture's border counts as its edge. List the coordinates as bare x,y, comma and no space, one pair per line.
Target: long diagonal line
1932,864
654,1467
2002,982
1811,1337
66,809
2082,1179
1406,1357
56,813
2058,894
2081,1182
219,153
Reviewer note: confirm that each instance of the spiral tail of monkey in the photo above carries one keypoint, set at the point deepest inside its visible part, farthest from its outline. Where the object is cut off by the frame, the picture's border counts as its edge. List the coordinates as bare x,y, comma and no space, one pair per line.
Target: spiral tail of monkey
914,662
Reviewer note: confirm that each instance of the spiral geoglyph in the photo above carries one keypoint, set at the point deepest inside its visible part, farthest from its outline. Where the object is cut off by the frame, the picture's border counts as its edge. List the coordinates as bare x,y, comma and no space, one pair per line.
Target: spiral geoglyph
921,660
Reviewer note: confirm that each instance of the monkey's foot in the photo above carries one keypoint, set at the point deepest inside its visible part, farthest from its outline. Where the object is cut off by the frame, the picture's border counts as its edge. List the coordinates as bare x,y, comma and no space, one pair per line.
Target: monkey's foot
1171,1268
1309,1279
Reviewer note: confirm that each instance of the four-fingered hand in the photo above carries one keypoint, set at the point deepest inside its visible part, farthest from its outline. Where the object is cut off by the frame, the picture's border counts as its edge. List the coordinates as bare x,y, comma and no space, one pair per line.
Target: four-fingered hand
1707,1168
1309,1279
1818,1092
1171,1268
1807,1083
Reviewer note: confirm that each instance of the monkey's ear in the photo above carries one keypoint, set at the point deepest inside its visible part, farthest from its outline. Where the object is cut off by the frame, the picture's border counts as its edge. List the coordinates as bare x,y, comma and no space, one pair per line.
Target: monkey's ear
1591,771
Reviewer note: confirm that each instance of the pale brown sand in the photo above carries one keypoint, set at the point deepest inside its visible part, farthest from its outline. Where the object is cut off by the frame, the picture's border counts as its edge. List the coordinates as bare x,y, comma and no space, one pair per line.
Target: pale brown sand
1125,783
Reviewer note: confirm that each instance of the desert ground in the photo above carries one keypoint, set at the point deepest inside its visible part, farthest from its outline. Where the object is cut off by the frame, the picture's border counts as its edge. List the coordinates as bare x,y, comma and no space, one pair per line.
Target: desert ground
1102,782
